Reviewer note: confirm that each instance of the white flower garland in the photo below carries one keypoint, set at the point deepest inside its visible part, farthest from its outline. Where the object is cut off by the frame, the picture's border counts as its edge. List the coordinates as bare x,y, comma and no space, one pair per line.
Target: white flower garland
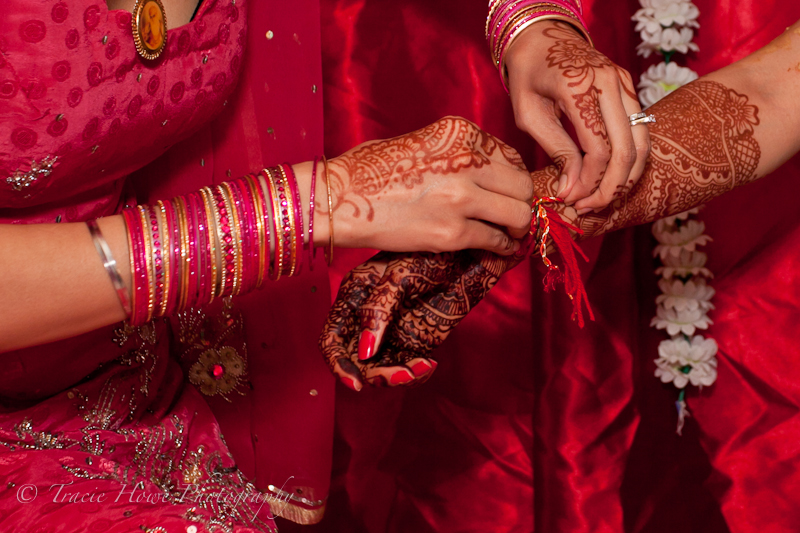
667,28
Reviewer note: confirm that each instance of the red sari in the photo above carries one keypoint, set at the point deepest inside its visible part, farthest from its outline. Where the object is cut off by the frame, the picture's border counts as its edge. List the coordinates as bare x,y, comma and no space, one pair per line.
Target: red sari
531,424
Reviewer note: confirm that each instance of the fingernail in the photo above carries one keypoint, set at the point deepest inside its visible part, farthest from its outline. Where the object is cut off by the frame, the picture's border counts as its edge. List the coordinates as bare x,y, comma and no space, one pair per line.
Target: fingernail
434,364
585,210
366,345
562,184
401,377
350,383
421,368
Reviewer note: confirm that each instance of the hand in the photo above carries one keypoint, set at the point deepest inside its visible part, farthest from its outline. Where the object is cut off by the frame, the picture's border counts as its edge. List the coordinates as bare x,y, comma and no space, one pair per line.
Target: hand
393,310
553,71
446,187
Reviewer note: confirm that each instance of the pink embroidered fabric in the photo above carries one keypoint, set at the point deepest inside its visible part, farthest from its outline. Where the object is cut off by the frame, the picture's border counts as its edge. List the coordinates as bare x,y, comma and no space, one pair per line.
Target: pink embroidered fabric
129,447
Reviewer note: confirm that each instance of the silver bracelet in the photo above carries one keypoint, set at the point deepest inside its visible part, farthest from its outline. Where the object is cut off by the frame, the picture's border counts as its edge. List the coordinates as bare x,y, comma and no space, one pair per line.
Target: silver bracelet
110,265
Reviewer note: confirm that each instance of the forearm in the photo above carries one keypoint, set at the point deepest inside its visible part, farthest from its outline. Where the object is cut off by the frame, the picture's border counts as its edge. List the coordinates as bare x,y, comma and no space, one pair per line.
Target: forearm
725,130
55,285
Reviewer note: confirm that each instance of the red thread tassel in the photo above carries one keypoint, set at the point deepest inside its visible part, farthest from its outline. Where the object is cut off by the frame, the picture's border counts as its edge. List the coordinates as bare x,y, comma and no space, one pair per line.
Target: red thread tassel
549,222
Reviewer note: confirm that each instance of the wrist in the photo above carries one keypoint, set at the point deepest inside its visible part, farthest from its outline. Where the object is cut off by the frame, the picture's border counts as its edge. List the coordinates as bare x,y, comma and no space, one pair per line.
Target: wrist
509,20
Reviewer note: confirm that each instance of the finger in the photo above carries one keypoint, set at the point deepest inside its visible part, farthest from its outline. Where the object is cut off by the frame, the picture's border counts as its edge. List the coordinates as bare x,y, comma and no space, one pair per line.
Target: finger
623,153
348,373
536,116
502,179
641,132
422,367
341,325
502,211
384,374
584,113
480,235
402,277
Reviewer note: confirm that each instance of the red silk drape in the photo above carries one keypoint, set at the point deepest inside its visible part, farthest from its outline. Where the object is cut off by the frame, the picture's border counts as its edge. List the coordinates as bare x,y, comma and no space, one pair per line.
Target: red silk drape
530,423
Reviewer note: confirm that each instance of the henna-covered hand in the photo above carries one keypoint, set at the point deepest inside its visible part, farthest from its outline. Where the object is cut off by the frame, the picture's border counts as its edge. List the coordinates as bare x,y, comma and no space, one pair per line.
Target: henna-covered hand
703,146
448,186
552,70
392,311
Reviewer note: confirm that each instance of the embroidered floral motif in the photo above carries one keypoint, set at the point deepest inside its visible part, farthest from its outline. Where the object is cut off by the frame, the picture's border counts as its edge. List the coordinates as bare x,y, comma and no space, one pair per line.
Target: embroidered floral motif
217,371
20,180
214,349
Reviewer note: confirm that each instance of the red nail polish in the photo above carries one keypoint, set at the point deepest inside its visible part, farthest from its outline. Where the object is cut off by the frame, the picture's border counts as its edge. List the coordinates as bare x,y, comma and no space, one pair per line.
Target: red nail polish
366,345
401,377
421,368
350,383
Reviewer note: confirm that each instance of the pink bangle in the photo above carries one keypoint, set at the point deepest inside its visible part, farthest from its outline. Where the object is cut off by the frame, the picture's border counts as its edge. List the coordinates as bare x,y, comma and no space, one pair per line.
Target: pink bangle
174,257
248,238
226,243
140,289
507,19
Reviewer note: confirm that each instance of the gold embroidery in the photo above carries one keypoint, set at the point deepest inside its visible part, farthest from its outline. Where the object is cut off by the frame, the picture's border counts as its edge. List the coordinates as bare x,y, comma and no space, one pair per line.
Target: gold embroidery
209,346
20,180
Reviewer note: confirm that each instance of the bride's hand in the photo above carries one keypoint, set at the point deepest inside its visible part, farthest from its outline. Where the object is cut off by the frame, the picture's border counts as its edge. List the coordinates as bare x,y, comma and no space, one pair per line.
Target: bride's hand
448,186
393,310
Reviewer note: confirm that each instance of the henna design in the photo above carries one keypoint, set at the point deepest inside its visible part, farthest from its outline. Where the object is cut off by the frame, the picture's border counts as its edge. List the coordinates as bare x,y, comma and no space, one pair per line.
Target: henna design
579,62
588,105
445,147
703,146
425,294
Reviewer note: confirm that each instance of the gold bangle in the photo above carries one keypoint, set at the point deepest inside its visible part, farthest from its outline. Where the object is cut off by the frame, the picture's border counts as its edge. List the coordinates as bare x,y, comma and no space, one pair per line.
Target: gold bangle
211,230
270,238
161,215
330,210
276,217
259,208
183,260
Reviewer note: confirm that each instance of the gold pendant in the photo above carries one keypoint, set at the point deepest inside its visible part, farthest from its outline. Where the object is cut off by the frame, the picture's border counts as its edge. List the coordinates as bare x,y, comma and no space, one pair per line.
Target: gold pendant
149,28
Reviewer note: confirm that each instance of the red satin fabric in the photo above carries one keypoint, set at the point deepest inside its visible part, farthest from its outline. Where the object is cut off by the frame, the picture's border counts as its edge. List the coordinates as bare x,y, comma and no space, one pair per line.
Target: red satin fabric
531,424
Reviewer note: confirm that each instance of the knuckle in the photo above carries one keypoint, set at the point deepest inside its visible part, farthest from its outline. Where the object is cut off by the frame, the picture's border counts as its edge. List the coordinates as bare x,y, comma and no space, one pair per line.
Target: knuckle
522,217
602,154
643,151
524,121
450,236
526,187
498,241
626,155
